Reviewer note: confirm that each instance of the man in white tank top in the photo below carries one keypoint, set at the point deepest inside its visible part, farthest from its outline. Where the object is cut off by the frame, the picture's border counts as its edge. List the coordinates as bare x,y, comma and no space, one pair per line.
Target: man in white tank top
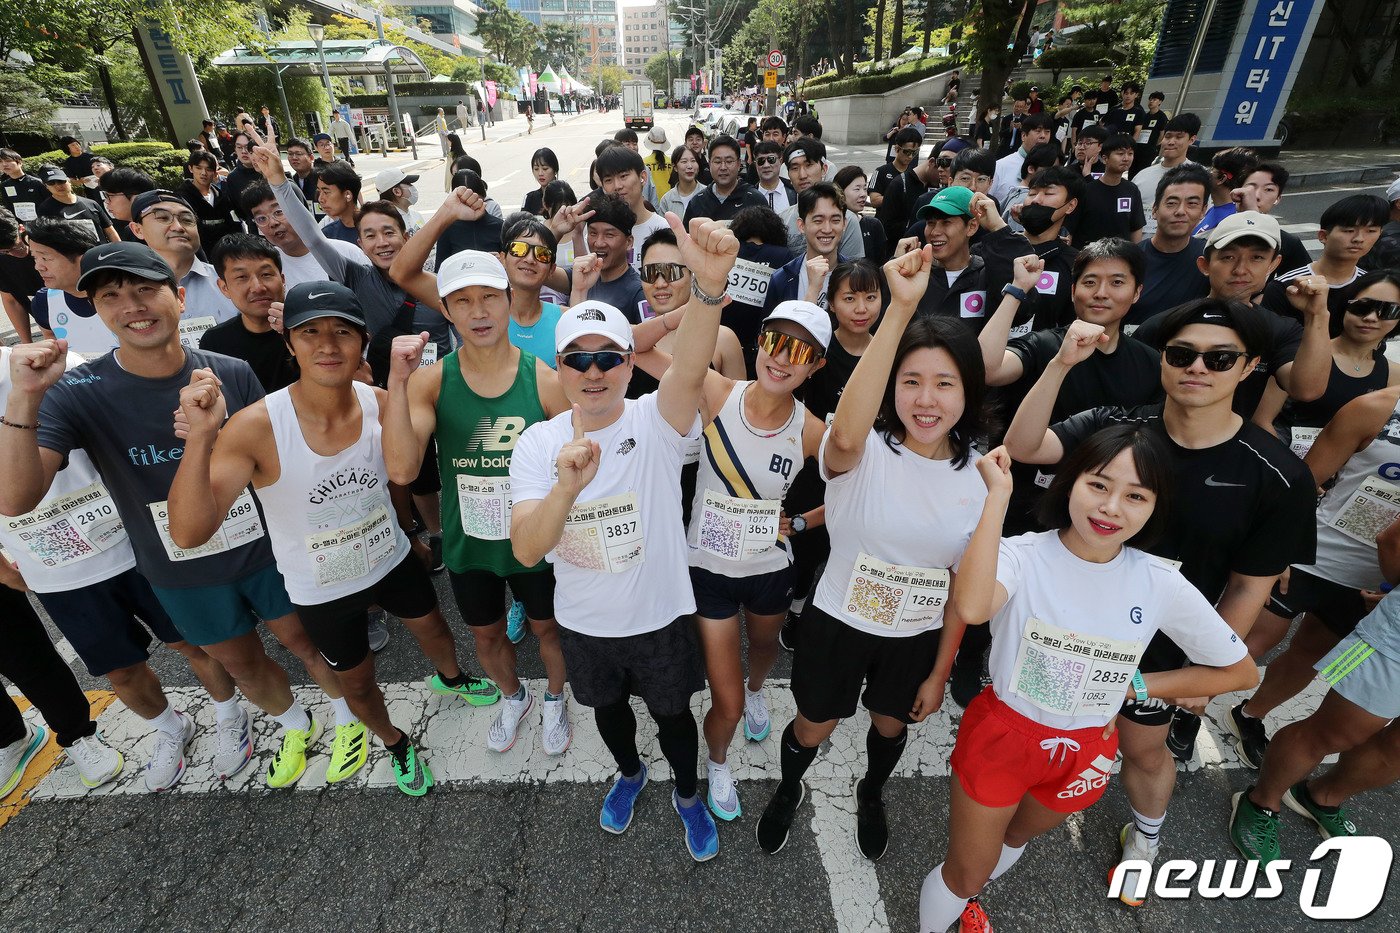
314,454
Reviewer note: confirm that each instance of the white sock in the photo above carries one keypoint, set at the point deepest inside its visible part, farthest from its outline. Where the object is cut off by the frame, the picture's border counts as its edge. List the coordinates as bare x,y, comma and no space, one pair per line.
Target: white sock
712,765
168,722
798,605
1007,859
343,716
295,717
227,710
753,693
1148,827
939,907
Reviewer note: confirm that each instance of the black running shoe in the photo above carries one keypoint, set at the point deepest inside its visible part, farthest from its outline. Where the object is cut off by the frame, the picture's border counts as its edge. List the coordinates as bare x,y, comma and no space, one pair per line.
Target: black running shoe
1181,737
787,635
435,564
777,818
1250,738
965,683
872,829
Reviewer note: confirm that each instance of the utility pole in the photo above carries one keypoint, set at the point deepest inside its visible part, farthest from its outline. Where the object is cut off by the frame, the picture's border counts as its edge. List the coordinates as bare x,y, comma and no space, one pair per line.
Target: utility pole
277,70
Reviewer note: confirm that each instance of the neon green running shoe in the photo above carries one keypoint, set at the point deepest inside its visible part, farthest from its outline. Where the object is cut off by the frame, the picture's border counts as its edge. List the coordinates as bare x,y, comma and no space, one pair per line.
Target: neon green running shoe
478,691
289,764
349,751
411,774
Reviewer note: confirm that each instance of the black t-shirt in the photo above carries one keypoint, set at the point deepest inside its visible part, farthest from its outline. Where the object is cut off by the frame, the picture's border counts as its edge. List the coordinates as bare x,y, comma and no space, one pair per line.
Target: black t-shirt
897,210
27,190
823,390
881,179
81,209
1245,506
79,166
1170,279
266,353
1107,210
1081,117
19,279
1125,120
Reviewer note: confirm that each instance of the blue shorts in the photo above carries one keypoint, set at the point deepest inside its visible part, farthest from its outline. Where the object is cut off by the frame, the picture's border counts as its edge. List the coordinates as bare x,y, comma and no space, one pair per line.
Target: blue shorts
207,615
104,621
720,597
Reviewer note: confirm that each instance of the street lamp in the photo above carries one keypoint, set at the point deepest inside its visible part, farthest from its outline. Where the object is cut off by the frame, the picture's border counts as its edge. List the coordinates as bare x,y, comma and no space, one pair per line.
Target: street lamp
318,35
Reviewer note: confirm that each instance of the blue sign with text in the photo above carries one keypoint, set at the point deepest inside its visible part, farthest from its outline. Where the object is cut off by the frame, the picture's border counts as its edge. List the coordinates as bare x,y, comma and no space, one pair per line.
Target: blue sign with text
1262,68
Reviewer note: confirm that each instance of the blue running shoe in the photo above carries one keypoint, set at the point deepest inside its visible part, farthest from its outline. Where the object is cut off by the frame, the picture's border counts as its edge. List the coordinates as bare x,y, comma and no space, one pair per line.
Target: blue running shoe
515,622
620,802
701,837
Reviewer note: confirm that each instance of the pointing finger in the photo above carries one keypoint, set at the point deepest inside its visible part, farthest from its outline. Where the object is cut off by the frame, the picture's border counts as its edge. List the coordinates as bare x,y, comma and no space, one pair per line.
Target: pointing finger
578,423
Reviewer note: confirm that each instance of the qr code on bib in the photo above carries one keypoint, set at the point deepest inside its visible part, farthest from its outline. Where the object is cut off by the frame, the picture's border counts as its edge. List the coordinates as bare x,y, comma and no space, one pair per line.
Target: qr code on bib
56,543
1366,518
876,601
338,564
1050,679
720,535
483,516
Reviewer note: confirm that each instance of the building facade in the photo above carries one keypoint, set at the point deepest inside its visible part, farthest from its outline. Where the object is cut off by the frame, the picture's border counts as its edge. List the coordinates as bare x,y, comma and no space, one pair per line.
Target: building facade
648,31
453,21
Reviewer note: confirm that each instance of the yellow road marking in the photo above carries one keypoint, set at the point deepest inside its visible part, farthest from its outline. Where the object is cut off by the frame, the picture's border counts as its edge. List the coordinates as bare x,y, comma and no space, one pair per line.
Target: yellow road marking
46,759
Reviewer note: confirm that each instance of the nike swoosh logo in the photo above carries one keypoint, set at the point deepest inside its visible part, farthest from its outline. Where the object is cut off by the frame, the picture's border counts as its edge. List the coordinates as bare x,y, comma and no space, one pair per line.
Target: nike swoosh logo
107,255
1211,481
68,216
315,295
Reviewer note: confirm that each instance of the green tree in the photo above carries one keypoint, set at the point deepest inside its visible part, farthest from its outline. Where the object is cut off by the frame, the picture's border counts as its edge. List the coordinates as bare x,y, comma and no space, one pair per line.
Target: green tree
662,68
610,78
1003,32
561,46
511,37
24,105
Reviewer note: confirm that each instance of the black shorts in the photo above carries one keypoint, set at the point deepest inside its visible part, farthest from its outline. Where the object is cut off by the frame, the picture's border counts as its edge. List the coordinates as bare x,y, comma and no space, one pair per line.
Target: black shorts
101,622
481,595
339,628
428,481
720,597
665,667
833,661
1338,607
1153,712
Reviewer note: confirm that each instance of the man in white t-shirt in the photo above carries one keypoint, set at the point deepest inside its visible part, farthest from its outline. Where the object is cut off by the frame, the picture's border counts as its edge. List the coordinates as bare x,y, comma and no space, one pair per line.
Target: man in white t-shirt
1178,136
597,493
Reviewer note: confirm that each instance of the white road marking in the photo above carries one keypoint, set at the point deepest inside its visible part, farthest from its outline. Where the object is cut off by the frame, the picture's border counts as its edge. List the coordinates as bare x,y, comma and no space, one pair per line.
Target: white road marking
452,736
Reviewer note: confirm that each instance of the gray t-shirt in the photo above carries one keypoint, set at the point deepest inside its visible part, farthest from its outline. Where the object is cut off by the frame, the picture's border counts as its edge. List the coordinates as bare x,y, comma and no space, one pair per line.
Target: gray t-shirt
624,293
126,425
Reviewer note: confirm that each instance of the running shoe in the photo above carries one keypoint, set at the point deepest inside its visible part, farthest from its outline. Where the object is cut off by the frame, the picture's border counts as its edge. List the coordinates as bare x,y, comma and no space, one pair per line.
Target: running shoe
787,635
1134,848
974,919
757,723
15,757
505,728
349,751
289,764
1181,736
167,763
1330,823
620,803
722,794
411,774
435,564
97,762
965,683
233,747
1254,830
701,837
515,622
555,731
776,822
872,828
478,691
1250,738
378,630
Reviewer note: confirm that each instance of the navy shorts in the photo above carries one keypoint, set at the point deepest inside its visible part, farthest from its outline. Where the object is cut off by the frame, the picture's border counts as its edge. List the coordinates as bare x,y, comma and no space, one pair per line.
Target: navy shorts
110,623
207,615
481,595
721,597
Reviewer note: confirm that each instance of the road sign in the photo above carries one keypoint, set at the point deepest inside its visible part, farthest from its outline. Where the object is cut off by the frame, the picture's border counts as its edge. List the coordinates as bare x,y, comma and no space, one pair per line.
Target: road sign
775,59
770,77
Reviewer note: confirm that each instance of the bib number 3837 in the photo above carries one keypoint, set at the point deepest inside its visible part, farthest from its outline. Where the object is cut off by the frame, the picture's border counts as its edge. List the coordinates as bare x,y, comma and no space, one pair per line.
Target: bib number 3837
604,535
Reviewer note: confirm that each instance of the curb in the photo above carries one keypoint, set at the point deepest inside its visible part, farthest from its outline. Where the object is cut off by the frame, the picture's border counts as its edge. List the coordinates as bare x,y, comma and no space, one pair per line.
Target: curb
1370,174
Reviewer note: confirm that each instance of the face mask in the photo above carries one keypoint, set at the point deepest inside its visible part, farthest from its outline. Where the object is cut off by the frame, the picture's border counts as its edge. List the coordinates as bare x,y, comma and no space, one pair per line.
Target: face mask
993,114
1037,218
411,194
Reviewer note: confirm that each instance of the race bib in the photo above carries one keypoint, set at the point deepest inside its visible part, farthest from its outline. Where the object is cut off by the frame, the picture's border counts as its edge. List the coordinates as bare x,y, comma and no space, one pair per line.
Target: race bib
26,210
973,304
430,354
693,450
1020,330
484,502
1048,283
1125,205
1369,511
1300,440
895,596
1173,564
737,529
349,553
748,282
191,329
604,535
1043,479
71,528
241,526
1069,674
1144,136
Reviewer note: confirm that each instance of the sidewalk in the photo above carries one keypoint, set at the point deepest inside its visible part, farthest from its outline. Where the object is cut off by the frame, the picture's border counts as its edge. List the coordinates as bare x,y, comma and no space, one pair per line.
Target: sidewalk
1312,168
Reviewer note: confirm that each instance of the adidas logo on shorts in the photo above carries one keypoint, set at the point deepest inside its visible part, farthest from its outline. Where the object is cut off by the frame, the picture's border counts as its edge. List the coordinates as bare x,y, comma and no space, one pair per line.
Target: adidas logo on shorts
1091,778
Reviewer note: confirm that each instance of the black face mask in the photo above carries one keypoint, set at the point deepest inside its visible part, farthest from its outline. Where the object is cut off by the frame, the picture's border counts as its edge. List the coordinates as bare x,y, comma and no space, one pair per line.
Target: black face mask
1037,218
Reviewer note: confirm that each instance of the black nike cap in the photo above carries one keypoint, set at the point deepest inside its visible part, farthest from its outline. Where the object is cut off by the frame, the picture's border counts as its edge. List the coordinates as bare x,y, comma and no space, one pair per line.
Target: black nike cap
311,300
147,200
135,258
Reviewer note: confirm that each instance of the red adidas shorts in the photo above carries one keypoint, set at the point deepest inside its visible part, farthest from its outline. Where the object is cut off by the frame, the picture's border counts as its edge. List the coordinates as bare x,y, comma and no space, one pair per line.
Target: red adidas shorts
1001,756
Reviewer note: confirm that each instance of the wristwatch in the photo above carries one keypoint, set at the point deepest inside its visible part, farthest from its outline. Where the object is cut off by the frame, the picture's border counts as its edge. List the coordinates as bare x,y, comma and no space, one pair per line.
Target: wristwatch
1139,687
1014,291
799,523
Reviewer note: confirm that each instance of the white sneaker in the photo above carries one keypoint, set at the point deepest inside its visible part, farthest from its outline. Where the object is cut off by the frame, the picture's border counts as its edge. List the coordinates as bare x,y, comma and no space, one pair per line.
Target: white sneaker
1134,847
97,762
167,763
757,723
235,745
723,796
506,726
378,630
15,757
555,731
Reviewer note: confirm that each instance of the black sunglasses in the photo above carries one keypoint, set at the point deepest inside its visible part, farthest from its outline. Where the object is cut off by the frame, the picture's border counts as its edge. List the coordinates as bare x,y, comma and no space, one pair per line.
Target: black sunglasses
1217,361
1363,307
768,160
584,360
945,163
670,271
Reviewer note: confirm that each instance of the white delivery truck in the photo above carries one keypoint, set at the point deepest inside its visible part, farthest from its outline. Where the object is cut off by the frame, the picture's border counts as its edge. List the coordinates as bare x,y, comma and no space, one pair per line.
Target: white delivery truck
637,104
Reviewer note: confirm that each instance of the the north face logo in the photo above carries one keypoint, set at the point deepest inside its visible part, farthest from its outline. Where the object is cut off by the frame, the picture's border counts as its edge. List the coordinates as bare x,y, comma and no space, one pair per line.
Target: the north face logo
626,446
1091,778
591,314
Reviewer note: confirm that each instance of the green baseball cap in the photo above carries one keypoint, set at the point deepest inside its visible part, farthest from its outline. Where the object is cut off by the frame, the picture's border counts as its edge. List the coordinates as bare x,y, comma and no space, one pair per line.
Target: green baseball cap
950,202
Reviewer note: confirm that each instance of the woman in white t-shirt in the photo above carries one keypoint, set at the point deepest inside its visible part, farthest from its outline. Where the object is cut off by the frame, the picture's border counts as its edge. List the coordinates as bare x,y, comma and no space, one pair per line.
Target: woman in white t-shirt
902,501
1072,610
